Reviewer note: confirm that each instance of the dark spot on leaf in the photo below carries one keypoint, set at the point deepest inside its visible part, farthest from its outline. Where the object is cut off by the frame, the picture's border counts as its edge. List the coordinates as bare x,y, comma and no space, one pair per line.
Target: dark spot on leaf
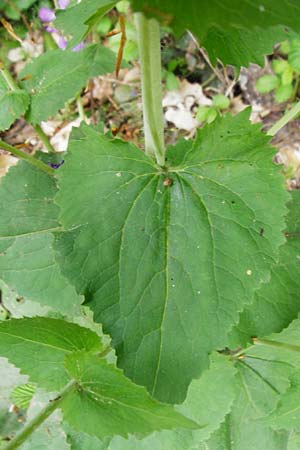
233,202
261,232
168,182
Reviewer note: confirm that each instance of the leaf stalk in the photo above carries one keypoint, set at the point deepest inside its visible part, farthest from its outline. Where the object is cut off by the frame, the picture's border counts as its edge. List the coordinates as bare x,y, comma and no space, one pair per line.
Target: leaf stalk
30,159
286,118
51,406
148,32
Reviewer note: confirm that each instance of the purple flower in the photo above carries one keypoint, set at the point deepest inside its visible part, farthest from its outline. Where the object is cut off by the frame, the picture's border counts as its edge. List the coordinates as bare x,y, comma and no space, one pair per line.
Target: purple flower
51,30
46,14
61,42
78,47
63,4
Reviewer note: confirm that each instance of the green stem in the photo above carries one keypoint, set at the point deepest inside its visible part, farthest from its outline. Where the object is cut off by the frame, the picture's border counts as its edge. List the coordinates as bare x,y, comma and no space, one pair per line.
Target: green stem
20,154
44,138
276,344
148,33
80,108
14,87
287,117
8,78
41,417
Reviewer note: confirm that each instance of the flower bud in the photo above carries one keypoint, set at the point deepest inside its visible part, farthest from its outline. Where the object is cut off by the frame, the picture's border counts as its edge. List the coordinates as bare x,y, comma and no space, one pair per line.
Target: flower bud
46,14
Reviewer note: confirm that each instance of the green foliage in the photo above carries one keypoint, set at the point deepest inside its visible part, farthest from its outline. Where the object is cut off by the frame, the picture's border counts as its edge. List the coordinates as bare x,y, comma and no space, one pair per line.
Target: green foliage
209,113
284,82
267,83
58,76
109,404
27,259
103,402
77,20
46,342
233,32
13,104
277,303
157,283
182,263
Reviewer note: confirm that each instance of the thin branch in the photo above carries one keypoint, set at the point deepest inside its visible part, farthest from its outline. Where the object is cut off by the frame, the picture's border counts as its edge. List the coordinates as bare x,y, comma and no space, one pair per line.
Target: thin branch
30,159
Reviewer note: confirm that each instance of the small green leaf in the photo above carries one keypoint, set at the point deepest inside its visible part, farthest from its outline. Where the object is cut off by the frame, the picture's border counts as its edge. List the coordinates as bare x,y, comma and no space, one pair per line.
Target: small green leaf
38,347
13,104
211,115
283,93
279,65
108,404
171,81
22,395
58,76
267,83
202,113
221,101
77,20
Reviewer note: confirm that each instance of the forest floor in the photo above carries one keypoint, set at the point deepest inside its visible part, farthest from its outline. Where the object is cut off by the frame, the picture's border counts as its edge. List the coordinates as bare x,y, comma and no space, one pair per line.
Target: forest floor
189,82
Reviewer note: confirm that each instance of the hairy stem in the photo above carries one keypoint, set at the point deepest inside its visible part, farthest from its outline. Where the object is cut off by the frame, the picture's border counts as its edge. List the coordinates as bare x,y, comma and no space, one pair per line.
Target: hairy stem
51,406
13,86
287,117
148,32
20,154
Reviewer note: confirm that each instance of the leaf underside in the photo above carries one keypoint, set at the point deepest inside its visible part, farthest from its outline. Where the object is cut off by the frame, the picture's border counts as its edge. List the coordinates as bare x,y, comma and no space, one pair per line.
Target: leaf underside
234,32
198,252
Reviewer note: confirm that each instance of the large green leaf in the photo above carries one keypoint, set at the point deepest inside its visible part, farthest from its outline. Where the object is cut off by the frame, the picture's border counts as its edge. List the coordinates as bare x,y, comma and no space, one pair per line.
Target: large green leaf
236,46
27,260
38,346
58,76
77,20
231,30
13,104
109,404
277,303
168,257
